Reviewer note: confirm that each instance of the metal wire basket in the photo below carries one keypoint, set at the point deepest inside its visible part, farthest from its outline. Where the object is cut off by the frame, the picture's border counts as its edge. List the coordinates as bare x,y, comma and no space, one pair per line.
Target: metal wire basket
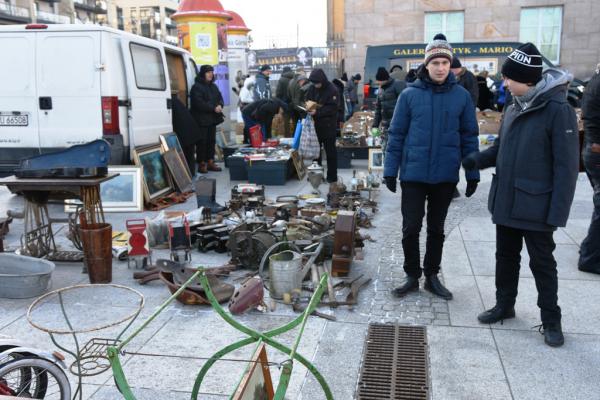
93,357
85,309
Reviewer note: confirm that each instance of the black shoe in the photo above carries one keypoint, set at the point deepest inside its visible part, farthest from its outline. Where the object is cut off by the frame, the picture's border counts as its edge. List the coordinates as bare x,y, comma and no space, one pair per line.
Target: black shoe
495,314
411,284
553,335
433,285
456,194
590,269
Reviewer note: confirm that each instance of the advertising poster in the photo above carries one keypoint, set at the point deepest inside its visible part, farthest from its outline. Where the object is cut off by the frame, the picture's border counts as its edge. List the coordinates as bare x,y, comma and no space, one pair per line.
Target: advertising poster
204,42
221,68
293,57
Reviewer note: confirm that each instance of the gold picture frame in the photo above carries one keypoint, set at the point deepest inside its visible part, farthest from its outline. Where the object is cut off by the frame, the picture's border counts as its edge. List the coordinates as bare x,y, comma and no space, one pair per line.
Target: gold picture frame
169,141
256,382
157,182
178,170
299,166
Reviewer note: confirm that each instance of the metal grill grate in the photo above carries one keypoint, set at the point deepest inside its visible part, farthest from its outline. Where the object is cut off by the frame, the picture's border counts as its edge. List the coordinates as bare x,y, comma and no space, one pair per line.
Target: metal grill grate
395,363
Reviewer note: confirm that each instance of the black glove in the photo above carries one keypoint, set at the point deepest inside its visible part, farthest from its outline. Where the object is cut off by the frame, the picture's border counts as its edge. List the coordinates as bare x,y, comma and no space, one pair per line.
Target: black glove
471,187
390,182
469,162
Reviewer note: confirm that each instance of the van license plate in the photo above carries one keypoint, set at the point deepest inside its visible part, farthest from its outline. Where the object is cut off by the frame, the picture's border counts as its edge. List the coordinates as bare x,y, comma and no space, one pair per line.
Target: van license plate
14,120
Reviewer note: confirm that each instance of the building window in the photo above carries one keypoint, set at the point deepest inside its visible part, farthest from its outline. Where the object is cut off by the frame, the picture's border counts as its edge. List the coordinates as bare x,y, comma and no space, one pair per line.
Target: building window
542,26
451,24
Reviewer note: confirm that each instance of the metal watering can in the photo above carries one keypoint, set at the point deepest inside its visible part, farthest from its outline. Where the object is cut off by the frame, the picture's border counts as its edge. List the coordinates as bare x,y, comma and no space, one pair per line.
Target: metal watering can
286,271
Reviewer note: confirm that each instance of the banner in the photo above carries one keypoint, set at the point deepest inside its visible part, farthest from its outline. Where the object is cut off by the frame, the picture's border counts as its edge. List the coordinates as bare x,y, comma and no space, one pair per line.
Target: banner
204,44
237,41
293,57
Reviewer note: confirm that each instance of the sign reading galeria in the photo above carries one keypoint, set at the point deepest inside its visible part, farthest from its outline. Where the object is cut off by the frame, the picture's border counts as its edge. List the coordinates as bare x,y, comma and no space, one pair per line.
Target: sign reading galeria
293,57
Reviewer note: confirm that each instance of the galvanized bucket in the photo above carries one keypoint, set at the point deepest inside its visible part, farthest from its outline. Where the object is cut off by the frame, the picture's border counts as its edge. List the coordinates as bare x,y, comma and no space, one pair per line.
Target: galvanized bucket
284,273
23,277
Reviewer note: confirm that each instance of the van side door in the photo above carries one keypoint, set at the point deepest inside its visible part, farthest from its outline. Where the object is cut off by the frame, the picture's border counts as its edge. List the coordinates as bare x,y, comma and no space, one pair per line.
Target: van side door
149,91
69,95
18,99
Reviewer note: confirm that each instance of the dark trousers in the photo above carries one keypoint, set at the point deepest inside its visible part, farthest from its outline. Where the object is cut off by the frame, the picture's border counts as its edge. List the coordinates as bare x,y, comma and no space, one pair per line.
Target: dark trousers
326,136
414,197
540,245
287,128
205,149
589,254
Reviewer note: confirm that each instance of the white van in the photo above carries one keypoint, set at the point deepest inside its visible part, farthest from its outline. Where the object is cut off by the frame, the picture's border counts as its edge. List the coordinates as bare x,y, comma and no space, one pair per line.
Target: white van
62,85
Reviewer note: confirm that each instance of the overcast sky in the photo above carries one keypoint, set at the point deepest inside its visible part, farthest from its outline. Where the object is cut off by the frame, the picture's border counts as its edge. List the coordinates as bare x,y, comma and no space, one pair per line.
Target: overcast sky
274,22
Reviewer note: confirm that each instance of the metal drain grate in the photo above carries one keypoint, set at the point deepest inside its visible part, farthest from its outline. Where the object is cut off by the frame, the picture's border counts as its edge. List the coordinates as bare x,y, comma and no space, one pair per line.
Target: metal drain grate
395,363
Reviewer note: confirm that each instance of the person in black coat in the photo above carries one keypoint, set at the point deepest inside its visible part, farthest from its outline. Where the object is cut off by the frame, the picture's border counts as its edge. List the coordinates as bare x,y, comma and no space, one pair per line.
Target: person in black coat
326,95
262,112
465,79
186,129
282,94
389,91
486,97
207,109
341,106
589,254
537,163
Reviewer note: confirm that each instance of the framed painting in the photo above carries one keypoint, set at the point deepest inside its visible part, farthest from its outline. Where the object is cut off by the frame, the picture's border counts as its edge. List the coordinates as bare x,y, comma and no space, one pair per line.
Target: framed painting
298,165
123,193
375,160
169,141
154,172
256,384
178,170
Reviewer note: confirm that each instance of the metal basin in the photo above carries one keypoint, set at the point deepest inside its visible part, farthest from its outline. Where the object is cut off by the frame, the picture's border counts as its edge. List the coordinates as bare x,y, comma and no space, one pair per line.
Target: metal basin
23,277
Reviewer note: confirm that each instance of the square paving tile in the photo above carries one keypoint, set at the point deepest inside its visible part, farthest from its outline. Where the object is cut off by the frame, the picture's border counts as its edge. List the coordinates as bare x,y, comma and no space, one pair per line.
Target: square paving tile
465,364
537,371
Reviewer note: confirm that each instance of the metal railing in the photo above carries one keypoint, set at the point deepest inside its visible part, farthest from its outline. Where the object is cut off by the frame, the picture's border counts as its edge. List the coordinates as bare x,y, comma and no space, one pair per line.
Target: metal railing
51,17
14,10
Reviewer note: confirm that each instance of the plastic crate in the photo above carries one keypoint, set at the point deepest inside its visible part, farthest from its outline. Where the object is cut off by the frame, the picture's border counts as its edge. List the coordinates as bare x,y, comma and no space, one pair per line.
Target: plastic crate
360,153
237,168
229,150
268,172
344,158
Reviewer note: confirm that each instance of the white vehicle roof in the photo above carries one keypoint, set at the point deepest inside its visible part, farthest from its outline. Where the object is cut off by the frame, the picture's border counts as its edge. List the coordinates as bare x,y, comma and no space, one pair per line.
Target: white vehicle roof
85,28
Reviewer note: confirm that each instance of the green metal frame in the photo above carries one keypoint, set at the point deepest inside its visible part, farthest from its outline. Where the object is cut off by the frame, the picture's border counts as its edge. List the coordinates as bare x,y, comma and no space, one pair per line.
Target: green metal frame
254,337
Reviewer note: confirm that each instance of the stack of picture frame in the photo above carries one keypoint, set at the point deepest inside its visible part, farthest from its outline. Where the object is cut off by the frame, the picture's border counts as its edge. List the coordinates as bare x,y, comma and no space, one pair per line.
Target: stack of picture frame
159,170
164,168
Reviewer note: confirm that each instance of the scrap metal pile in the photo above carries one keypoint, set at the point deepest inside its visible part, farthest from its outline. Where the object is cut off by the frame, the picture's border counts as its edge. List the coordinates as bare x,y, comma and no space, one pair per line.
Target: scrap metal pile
283,245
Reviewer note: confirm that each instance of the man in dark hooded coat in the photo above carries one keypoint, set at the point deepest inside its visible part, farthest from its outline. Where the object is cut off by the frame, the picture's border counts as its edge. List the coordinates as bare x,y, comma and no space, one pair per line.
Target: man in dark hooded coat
326,95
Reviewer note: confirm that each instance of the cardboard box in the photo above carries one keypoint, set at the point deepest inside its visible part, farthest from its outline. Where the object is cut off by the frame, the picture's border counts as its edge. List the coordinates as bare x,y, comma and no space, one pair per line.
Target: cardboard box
489,122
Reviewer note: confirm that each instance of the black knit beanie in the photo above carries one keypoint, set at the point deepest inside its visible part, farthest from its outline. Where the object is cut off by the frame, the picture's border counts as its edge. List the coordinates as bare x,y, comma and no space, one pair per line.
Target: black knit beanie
455,63
524,64
382,75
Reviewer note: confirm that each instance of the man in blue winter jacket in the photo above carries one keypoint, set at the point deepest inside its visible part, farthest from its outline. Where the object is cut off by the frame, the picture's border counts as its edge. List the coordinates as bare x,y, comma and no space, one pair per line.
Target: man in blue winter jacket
433,127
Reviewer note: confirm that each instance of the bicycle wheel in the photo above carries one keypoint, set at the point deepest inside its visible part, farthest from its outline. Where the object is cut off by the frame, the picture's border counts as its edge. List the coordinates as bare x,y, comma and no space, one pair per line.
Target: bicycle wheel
24,380
34,378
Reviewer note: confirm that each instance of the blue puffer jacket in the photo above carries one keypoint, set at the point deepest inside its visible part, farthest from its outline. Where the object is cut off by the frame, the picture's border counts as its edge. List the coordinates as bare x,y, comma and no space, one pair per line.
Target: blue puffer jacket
433,128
